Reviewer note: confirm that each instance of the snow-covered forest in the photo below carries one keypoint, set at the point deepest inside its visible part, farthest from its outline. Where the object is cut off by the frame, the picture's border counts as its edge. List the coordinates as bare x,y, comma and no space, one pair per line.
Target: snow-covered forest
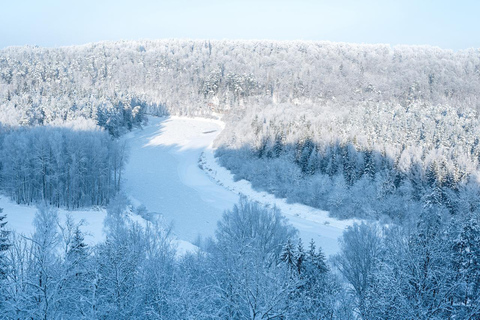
243,273
254,268
107,80
386,134
60,166
248,271
376,161
393,124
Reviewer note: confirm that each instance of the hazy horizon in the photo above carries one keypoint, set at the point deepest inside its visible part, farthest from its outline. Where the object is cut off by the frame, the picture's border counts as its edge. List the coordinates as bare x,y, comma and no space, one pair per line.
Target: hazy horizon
53,23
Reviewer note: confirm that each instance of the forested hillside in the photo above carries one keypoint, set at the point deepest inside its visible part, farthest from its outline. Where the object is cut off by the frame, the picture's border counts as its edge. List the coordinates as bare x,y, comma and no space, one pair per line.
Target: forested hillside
312,119
376,160
382,133
70,167
108,80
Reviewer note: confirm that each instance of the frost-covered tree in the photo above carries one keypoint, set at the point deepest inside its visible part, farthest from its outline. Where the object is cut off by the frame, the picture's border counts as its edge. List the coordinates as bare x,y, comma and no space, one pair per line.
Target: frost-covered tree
78,272
4,263
61,166
248,277
466,264
4,246
44,280
360,251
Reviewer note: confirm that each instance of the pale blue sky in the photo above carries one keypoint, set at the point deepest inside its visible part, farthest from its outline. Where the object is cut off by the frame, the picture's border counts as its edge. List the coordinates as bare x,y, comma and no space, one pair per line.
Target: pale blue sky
447,24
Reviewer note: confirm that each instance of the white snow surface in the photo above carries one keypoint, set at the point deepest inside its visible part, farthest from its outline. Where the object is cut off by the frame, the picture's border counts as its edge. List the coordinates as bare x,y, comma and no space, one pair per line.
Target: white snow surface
164,173
20,219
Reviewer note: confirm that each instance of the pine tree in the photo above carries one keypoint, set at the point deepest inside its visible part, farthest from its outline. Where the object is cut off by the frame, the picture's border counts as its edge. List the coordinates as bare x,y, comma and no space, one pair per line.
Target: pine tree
300,257
288,255
369,160
317,258
4,246
307,150
278,145
78,249
78,285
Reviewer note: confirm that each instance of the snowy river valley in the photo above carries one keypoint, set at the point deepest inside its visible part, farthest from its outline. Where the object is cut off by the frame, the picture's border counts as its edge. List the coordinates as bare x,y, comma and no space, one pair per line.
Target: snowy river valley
172,172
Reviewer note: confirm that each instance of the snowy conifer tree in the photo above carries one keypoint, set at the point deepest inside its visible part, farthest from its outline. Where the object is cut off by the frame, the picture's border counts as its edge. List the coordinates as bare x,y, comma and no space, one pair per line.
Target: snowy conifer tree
4,246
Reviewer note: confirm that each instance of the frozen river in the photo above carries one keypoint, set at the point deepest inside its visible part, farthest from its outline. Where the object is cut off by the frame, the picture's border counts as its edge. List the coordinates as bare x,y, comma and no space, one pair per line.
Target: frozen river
163,174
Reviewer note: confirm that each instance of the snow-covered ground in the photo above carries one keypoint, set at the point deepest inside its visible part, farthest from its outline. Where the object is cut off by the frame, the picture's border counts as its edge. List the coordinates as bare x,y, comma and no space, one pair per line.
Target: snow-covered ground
20,218
164,173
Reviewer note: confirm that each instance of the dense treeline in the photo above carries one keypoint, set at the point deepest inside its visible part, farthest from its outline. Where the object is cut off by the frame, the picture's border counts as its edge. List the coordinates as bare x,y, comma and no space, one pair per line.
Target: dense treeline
428,271
248,271
116,82
399,121
370,162
254,268
61,166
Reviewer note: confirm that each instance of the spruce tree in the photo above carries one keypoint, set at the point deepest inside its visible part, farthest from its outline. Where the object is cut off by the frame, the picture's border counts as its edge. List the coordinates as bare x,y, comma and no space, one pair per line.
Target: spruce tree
300,257
78,287
288,255
4,246
317,258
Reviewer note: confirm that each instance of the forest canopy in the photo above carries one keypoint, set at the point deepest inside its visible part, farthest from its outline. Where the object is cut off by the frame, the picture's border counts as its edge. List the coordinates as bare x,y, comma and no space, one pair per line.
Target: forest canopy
106,81
323,116
371,131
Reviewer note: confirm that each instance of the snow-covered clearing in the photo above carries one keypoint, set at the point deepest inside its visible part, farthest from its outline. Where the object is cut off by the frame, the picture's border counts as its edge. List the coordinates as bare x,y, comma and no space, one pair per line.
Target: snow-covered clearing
20,218
164,173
